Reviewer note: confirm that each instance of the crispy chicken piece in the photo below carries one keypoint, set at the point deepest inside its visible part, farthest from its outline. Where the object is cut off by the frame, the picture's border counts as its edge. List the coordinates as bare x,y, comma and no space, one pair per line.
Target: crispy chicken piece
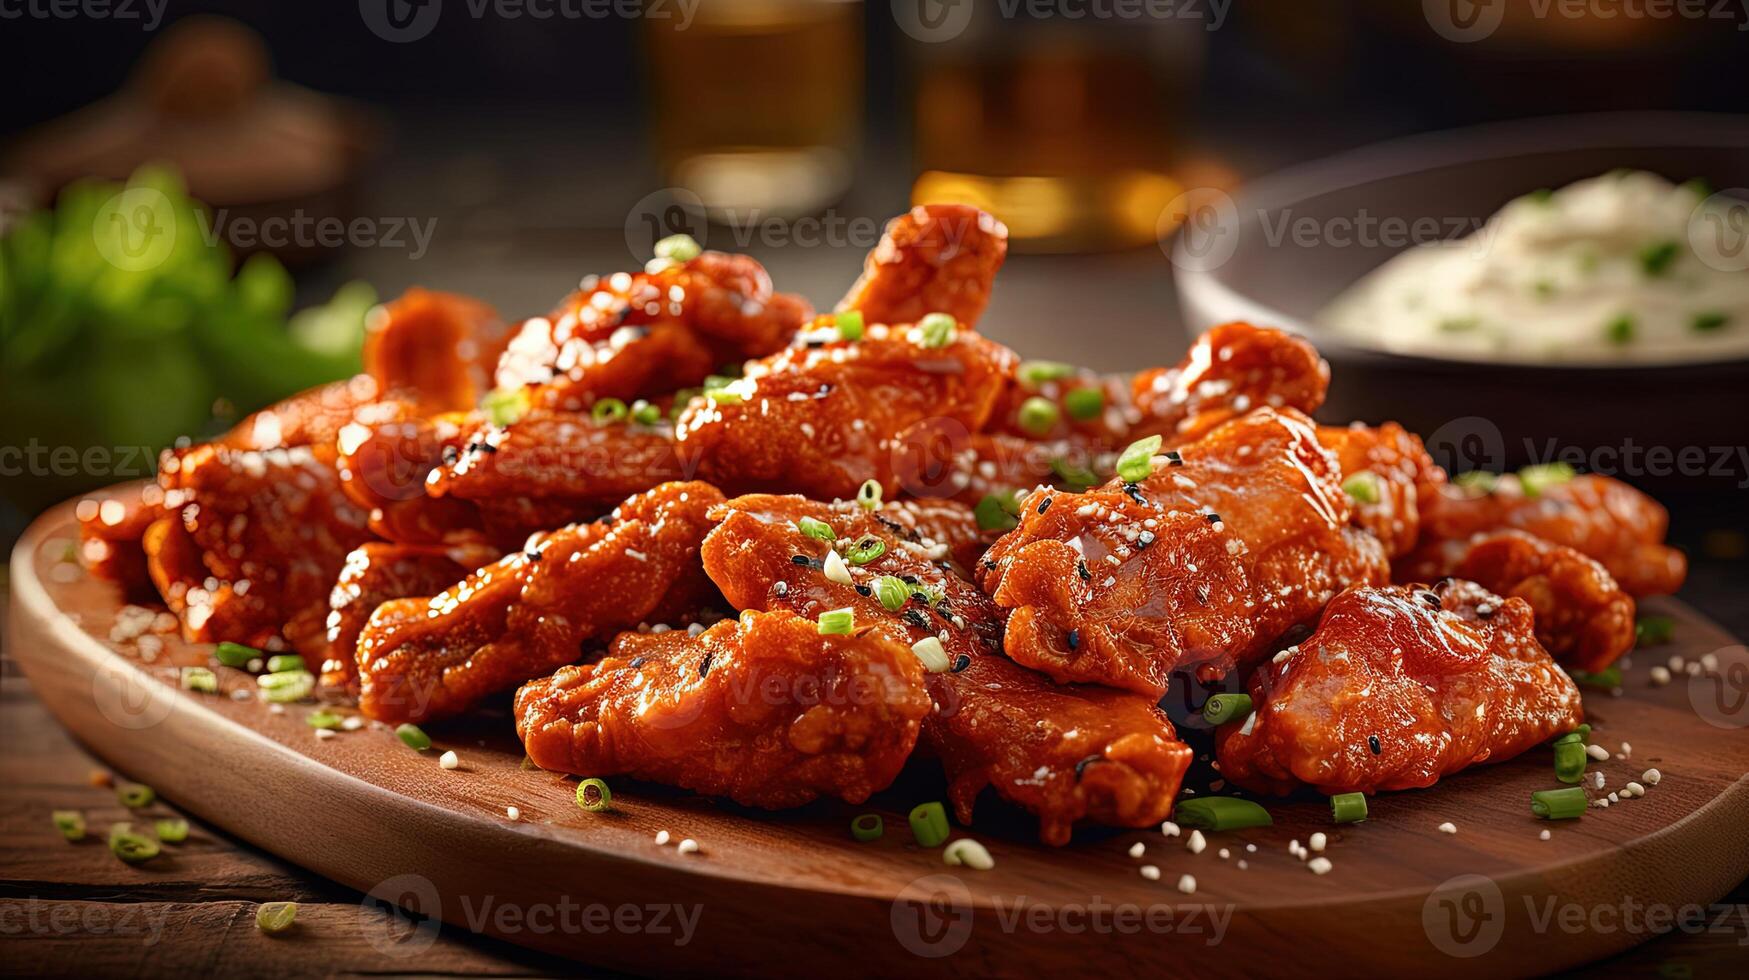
251,544
1582,616
763,710
374,573
439,348
632,335
1596,515
1065,753
111,528
562,458
823,418
1231,541
537,609
1386,473
935,258
1396,688
1229,371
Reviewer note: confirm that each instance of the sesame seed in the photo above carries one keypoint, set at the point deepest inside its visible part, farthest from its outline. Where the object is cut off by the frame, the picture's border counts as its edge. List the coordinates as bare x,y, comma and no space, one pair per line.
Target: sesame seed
661,837
1545,835
1196,843
688,846
1138,849
1319,865
1170,829
1448,827
1651,776
449,760
1318,841
324,734
1597,752
1187,884
1225,854
513,813
1150,872
1660,676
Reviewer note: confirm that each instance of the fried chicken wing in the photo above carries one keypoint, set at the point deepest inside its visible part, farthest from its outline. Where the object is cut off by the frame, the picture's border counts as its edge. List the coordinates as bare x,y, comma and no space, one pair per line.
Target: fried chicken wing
112,527
1396,688
563,458
374,573
935,258
762,709
1596,515
537,609
1582,616
1229,371
822,418
1386,473
1065,753
1229,542
440,348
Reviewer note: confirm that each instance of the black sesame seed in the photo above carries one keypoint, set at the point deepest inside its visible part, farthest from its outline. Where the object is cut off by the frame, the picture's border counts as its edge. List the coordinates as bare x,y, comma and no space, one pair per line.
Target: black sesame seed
1372,742
916,619
1135,493
1432,600
890,524
638,662
531,555
1212,517
1074,639
1046,505
989,564
1173,459
1081,766
864,590
704,666
1081,570
800,560
908,579
961,663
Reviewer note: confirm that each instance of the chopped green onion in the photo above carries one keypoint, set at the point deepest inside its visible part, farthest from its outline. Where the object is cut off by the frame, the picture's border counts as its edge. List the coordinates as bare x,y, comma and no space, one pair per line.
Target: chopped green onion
815,528
1710,321
505,406
716,381
929,824
1038,415
1035,373
1348,807
993,514
678,248
892,592
282,662
594,796
1570,761
1559,804
413,737
1535,479
323,718
171,831
1137,462
1084,404
723,396
199,679
932,654
936,330
135,795
1620,330
284,686
131,847
1481,481
1362,487
1222,708
837,622
235,654
849,325
607,411
868,496
969,853
1220,813
1652,631
867,827
1655,258
645,413
865,550
1607,679
272,917
71,824
1073,475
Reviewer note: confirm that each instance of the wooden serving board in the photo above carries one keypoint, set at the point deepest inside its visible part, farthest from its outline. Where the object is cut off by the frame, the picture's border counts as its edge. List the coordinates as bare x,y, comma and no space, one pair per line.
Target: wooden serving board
792,893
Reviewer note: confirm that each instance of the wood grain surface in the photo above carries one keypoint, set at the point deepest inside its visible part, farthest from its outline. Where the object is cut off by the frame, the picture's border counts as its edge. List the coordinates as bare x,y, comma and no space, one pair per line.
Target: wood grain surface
791,893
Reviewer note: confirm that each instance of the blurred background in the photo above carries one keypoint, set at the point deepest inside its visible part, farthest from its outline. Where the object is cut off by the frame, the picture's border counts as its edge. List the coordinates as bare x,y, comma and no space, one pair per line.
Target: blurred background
505,148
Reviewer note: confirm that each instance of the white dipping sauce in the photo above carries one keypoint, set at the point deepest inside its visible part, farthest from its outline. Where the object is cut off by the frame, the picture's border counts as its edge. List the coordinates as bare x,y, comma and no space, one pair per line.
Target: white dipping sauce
1606,269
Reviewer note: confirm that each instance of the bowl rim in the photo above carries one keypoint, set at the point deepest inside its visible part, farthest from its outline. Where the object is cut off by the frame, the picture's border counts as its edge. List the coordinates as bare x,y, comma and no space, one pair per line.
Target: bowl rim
1462,146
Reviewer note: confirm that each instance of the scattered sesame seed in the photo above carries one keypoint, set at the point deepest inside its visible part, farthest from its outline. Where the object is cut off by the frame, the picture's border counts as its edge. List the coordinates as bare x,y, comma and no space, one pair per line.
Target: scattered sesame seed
352,723
1651,776
1626,749
661,837
1710,662
1196,843
449,760
1319,865
1243,864
1318,841
1225,854
1597,779
1614,798
324,734
1597,752
1545,835
1170,829
1187,884
1150,872
1448,827
688,846
1660,676
1250,848
514,813
1676,664
1138,849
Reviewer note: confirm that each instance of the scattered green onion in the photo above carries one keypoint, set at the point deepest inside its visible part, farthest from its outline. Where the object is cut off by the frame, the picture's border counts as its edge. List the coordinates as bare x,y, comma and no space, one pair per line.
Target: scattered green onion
135,795
505,406
1362,487
284,686
131,847
936,330
1073,475
71,824
1570,761
837,622
1607,679
272,917
867,827
868,496
723,396
1655,258
892,592
235,654
1652,631
1084,404
1620,330
678,248
199,679
1137,462
1348,807
282,662
413,737
1035,373
323,718
1222,708
849,325
1559,804
929,824
1038,415
993,514
594,796
865,550
1481,481
1536,479
1710,321
815,528
1220,813
607,411
171,831
645,413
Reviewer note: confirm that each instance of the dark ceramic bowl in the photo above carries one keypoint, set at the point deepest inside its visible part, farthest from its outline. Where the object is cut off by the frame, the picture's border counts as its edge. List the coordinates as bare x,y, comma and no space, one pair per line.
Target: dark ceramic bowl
1289,243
